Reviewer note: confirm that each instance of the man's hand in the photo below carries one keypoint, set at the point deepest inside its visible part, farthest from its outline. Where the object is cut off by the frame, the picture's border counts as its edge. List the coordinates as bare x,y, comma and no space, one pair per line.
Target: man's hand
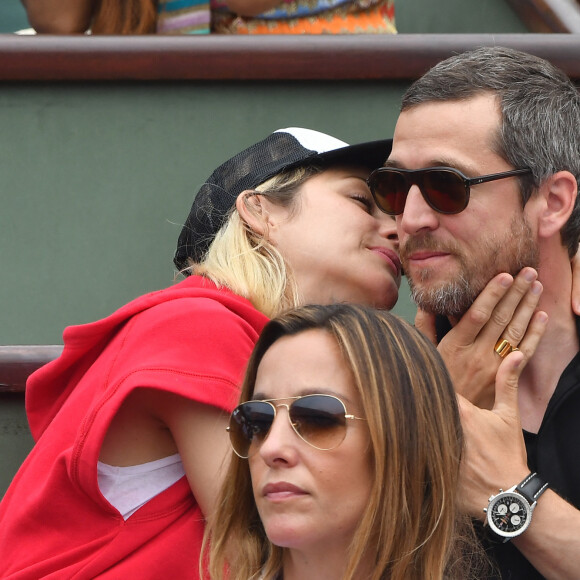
495,453
505,309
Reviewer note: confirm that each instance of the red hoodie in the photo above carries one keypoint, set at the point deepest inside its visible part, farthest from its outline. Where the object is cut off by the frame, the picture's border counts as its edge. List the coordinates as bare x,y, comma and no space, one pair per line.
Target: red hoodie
193,340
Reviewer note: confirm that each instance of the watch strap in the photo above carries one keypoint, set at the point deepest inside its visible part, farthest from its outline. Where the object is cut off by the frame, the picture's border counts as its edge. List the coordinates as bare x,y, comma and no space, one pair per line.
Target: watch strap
532,487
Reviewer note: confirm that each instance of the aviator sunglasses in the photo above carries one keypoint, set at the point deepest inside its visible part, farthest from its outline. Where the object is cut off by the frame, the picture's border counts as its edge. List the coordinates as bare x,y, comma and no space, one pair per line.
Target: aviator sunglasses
444,189
319,420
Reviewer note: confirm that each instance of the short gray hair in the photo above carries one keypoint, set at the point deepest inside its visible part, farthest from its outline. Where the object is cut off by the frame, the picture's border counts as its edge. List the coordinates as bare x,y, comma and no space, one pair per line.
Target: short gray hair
539,106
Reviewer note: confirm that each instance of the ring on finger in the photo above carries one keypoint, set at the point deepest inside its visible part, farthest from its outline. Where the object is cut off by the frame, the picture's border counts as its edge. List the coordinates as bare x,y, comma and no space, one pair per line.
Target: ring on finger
504,347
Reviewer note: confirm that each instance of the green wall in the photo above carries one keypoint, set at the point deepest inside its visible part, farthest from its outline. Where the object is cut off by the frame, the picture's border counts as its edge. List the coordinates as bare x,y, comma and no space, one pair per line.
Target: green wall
12,16
96,180
449,16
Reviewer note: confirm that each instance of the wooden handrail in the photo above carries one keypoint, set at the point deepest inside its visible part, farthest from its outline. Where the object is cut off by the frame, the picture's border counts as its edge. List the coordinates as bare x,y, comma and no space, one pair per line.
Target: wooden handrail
18,362
239,58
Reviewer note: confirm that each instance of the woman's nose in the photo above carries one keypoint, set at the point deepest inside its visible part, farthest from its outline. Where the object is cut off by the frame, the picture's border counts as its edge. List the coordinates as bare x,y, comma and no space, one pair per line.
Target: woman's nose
279,446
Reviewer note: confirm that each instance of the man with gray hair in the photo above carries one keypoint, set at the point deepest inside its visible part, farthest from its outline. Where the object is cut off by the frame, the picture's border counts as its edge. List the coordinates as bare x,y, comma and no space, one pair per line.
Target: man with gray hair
483,179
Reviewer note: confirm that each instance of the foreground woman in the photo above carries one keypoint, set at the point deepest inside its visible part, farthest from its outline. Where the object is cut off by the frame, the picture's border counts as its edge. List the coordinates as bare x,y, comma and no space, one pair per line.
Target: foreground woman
347,450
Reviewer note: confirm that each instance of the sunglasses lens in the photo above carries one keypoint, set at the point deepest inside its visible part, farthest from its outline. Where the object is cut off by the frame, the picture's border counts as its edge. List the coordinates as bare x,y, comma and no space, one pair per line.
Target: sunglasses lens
249,425
445,191
389,189
320,420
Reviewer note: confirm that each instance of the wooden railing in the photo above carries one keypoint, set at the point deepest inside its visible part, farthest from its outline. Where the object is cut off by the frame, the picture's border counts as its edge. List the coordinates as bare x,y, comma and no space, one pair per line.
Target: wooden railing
237,58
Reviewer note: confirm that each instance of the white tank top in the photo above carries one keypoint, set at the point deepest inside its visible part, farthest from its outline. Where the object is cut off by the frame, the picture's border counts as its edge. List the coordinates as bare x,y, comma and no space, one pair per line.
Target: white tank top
129,488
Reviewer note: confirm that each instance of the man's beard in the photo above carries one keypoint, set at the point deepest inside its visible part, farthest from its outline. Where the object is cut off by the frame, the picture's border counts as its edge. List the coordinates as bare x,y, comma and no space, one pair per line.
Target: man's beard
508,252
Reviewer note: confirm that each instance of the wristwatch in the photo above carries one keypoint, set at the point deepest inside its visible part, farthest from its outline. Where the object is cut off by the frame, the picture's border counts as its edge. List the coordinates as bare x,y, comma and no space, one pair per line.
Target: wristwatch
509,513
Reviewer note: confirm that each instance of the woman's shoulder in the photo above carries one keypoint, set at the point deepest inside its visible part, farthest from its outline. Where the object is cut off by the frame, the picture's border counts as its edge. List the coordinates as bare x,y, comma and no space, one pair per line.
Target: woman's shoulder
198,303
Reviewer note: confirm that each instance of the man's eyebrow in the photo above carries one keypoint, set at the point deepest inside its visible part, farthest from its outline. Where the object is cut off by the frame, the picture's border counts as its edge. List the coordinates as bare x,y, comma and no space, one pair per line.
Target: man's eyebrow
433,163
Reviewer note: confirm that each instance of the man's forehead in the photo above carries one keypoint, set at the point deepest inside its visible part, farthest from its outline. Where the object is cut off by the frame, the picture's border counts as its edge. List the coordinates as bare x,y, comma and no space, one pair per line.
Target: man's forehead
460,134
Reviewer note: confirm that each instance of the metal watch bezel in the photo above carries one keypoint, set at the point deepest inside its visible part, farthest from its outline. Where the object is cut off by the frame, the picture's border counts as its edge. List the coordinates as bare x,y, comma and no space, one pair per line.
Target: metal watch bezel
495,499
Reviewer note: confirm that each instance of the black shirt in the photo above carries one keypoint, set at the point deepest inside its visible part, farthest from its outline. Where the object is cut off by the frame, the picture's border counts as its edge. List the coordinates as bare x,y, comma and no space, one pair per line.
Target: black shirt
554,453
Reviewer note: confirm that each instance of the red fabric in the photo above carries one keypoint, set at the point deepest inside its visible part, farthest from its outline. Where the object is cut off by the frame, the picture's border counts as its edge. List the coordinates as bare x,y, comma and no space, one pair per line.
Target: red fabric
192,340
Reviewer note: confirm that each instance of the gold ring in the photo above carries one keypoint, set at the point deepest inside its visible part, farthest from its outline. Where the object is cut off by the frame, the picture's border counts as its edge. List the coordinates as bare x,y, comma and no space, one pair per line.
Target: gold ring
503,347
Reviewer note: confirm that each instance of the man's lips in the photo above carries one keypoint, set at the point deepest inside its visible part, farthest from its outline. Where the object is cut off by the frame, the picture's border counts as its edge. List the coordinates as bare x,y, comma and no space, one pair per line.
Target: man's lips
423,255
391,257
282,490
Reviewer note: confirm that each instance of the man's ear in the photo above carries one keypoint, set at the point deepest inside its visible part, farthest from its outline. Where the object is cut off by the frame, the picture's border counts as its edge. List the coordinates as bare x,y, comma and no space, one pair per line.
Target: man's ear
559,196
253,209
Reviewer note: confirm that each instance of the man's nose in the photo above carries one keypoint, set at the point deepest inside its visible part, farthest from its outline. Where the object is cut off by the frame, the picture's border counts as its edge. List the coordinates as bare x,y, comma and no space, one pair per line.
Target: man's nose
417,214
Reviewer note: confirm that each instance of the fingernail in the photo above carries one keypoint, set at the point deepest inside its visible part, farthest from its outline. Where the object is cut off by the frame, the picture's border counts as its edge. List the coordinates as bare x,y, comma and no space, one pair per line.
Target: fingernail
530,275
506,281
537,288
542,317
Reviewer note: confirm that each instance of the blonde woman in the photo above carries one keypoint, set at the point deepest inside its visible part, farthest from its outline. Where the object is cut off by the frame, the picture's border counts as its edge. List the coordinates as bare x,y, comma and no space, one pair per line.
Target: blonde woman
347,448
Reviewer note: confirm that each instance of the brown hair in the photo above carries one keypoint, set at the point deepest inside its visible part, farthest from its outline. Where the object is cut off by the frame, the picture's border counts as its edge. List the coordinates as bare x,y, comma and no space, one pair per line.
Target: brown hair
124,17
411,527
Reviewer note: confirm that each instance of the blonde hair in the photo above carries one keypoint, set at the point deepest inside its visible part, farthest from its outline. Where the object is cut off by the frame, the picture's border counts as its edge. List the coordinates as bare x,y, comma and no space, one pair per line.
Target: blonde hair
411,528
246,262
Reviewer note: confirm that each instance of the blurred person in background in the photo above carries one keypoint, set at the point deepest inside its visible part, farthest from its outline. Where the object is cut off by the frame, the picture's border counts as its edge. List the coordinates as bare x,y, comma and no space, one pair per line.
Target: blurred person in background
227,16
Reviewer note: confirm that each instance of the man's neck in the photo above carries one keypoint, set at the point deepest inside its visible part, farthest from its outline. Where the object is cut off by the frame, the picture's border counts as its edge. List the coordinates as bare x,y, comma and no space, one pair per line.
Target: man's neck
557,348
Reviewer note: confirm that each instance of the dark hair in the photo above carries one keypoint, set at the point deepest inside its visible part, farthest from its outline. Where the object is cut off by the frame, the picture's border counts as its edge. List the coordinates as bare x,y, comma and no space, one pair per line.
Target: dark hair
539,106
124,17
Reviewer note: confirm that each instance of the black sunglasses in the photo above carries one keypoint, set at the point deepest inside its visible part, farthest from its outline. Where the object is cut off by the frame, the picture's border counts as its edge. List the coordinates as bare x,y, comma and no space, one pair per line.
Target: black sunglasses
446,190
319,420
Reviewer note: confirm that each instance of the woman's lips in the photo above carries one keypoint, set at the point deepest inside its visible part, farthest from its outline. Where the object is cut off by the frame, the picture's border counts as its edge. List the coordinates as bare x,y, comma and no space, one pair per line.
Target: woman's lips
391,257
281,491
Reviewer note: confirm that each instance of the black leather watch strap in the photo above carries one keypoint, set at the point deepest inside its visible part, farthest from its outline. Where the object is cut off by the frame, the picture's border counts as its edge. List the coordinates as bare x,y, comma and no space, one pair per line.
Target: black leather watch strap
532,487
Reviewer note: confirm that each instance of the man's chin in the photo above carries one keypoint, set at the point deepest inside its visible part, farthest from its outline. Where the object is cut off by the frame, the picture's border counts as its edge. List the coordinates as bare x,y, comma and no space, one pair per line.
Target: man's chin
451,299
430,278
450,311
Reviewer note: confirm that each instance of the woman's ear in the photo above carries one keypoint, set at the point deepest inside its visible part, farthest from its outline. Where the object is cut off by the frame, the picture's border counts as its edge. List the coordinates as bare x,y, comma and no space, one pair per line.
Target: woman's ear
559,192
253,210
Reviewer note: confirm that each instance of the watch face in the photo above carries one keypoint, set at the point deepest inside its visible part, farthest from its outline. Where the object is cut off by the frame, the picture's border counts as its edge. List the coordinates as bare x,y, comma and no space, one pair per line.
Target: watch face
508,514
